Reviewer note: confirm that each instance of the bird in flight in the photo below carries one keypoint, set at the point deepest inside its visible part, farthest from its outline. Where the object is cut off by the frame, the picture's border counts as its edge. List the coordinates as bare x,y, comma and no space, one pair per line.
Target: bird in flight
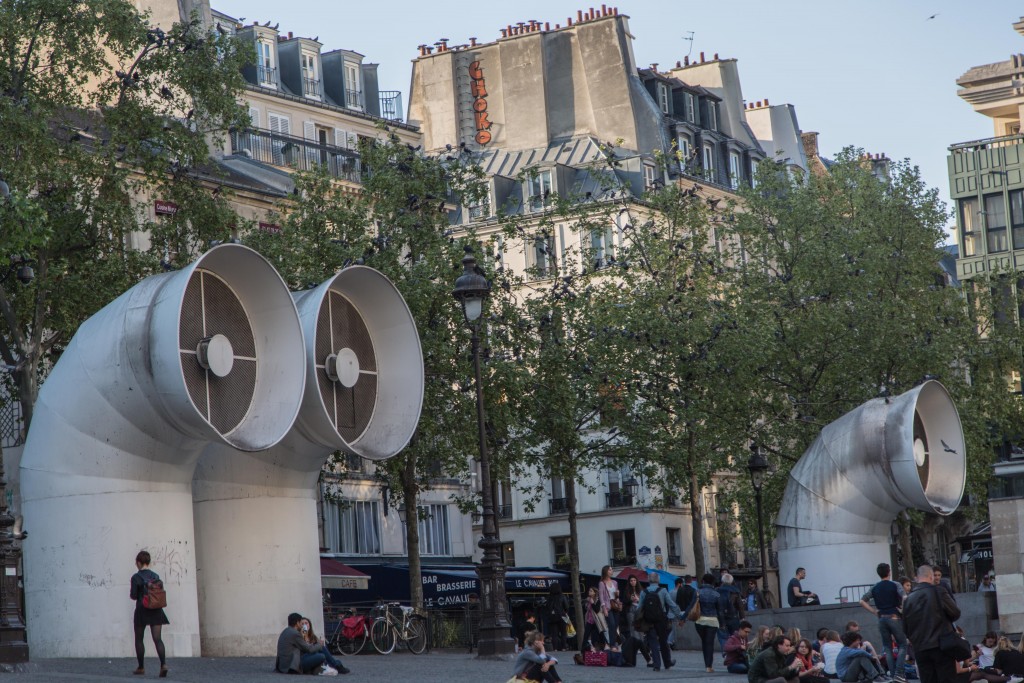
946,447
933,16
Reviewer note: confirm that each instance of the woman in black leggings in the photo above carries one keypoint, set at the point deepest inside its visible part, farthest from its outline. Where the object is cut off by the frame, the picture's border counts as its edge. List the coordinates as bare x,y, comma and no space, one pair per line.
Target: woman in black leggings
144,616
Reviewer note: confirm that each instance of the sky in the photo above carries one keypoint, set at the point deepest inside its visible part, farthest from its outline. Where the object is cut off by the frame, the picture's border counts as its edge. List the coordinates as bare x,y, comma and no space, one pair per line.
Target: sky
876,74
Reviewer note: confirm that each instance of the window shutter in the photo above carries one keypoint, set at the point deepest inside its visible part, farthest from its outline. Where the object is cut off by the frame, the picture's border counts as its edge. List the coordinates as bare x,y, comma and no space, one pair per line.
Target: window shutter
309,133
254,117
340,138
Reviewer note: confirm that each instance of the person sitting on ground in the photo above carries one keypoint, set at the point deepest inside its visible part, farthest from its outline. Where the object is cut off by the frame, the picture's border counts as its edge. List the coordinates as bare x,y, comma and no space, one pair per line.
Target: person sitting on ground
331,664
533,663
854,664
294,654
819,638
882,663
985,651
831,646
970,670
1009,660
811,664
758,643
736,649
770,666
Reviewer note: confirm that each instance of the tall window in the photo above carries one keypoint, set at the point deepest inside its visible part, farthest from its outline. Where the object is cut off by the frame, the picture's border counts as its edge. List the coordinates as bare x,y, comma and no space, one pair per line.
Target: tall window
970,233
650,175
310,83
600,247
712,115
435,535
265,63
709,162
734,170
753,172
1017,218
618,494
538,190
684,153
353,527
995,222
353,87
560,550
540,256
623,546
691,107
558,504
674,545
663,97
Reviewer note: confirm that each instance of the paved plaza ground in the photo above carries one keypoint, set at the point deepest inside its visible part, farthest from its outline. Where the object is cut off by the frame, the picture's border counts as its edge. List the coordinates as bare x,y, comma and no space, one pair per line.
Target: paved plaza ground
434,667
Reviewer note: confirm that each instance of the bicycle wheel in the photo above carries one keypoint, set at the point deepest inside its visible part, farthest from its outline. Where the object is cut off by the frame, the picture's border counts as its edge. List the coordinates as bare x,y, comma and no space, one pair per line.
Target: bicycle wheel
416,634
354,645
383,636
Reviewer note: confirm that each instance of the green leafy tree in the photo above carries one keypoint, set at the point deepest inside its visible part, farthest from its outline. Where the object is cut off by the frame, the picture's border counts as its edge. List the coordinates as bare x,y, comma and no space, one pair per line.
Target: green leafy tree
398,223
842,296
101,113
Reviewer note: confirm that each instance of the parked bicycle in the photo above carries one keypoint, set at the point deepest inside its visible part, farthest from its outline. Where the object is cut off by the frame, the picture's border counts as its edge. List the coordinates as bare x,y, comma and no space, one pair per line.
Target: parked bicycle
350,634
394,623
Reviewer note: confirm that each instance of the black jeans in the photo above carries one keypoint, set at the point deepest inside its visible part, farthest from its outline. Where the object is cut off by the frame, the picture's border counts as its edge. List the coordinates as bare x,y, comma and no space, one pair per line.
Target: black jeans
861,668
708,635
534,673
934,666
556,631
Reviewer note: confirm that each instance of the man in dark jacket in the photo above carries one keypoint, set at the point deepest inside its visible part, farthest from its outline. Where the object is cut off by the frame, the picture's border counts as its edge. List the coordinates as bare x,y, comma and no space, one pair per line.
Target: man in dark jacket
928,613
294,654
658,620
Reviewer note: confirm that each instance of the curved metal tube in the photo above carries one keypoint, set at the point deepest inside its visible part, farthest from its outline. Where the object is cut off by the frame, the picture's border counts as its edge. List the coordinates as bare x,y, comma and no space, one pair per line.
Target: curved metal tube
861,471
255,513
207,353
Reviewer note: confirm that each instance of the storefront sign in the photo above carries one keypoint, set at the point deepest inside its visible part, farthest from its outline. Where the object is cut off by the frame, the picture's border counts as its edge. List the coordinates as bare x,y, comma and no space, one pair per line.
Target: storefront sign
270,227
479,91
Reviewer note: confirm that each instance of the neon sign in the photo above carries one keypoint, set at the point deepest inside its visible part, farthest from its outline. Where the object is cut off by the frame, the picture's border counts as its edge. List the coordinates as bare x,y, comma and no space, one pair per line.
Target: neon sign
479,91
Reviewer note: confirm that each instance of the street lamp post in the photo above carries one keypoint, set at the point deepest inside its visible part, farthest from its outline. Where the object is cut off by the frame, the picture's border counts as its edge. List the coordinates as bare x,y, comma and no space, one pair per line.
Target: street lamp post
758,468
495,641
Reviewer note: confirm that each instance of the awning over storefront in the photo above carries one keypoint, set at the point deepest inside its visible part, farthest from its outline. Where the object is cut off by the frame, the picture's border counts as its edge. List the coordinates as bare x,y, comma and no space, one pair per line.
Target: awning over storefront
334,574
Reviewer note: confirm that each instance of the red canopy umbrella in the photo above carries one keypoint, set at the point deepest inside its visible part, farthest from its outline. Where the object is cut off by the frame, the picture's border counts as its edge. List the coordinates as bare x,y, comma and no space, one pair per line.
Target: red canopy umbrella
627,572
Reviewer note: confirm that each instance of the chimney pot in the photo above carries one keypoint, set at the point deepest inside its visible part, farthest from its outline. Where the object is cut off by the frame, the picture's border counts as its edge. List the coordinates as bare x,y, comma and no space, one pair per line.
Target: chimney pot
472,41
701,57
716,56
558,26
686,60
547,26
579,16
289,35
678,64
604,10
766,101
615,11
504,33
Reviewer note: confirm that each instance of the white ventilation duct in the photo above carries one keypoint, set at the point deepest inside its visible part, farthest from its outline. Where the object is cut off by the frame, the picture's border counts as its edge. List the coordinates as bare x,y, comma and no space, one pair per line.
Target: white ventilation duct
208,353
861,471
255,513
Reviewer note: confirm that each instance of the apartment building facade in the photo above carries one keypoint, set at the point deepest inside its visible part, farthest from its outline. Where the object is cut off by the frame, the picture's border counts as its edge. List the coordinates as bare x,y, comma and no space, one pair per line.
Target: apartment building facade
540,108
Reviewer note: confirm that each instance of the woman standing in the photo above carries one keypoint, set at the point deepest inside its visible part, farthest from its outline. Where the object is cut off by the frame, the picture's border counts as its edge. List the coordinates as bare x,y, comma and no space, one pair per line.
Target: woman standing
608,591
591,626
558,612
144,616
707,625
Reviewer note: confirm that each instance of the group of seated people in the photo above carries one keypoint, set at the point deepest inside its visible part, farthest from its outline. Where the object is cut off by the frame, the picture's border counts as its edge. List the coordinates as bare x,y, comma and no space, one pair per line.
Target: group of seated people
775,655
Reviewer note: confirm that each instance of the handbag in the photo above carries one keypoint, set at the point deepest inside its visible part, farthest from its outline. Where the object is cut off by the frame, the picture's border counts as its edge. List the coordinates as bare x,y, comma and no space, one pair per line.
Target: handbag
955,645
694,613
570,630
616,605
591,658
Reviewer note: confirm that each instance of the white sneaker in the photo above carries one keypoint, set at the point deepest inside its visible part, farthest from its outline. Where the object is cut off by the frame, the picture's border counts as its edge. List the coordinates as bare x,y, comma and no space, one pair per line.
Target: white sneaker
329,671
1015,679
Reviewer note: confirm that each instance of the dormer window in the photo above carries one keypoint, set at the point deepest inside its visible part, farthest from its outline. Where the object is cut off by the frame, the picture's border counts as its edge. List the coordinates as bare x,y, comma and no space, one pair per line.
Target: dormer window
663,97
691,107
650,175
310,80
481,210
538,190
353,86
266,71
712,115
709,163
734,170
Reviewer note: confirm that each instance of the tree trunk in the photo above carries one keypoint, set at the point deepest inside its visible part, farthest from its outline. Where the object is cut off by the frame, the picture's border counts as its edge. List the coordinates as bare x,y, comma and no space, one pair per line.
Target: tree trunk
574,557
905,547
412,531
28,389
696,524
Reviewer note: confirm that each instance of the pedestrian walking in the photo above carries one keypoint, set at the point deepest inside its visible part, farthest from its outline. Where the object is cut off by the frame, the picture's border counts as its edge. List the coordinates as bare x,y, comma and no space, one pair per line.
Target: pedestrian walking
655,609
155,618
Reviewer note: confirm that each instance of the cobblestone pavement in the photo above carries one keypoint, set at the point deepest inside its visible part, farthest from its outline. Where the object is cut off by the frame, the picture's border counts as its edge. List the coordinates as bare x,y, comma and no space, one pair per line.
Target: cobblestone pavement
434,667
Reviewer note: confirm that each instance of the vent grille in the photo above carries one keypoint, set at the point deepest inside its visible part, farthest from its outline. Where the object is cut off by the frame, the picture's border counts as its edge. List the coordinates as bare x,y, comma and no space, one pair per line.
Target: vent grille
208,308
340,326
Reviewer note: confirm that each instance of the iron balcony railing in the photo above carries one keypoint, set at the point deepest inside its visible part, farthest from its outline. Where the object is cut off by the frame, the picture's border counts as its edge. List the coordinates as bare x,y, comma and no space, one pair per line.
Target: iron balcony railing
266,74
558,506
987,143
277,149
618,499
753,557
354,99
311,86
504,511
675,559
391,105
